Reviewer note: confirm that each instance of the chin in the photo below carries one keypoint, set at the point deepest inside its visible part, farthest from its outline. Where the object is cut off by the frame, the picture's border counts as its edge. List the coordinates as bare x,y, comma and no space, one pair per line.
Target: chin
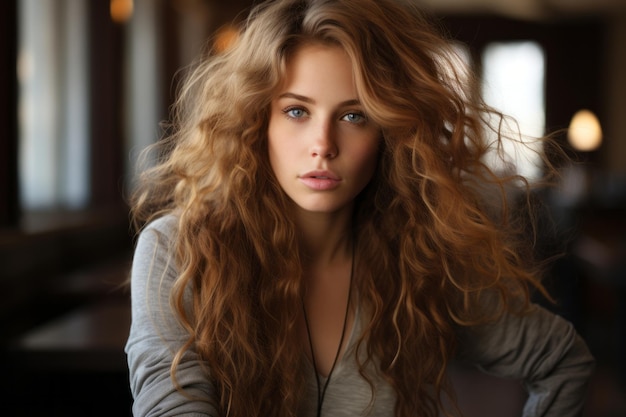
322,207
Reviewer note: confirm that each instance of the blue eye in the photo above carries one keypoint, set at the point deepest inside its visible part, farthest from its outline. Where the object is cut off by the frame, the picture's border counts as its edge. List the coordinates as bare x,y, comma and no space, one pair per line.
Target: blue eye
295,112
355,118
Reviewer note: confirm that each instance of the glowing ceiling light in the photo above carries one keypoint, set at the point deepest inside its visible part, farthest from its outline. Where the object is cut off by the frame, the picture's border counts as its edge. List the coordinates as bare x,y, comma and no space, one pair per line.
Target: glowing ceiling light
121,10
225,38
585,132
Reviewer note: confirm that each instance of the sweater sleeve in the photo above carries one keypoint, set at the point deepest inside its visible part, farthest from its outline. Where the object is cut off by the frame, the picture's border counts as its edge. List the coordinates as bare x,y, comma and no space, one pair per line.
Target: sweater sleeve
543,351
156,335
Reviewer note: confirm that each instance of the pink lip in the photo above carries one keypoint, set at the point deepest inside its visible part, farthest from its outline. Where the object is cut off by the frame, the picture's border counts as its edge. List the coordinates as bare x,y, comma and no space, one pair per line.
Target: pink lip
320,180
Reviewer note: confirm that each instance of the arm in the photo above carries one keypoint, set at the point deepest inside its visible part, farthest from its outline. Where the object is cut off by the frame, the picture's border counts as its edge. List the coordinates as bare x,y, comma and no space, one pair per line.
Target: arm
541,349
155,335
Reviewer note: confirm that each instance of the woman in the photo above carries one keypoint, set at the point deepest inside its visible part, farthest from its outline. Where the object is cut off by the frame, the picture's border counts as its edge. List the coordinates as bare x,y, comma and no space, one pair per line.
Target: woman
318,240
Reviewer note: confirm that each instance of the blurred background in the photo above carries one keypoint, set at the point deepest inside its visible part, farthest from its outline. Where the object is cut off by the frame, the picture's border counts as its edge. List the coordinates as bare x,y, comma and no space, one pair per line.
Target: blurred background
84,85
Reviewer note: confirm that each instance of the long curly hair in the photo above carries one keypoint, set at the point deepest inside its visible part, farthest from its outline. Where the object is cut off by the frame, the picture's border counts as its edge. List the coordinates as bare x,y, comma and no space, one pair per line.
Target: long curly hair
436,231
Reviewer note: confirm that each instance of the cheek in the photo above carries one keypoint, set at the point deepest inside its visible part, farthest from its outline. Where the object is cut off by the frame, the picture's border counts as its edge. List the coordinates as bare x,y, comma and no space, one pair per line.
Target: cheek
369,156
369,166
274,157
280,150
273,145
365,160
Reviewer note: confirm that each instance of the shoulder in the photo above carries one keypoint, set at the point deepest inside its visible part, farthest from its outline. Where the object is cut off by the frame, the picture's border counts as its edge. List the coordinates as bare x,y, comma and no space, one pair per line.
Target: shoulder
165,225
160,232
155,244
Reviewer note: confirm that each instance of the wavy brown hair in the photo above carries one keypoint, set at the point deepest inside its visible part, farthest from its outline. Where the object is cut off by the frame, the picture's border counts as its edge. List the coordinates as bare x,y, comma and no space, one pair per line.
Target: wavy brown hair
436,231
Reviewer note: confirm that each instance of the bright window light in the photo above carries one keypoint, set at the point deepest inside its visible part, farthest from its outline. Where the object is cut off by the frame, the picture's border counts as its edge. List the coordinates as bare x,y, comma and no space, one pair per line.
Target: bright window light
53,105
513,82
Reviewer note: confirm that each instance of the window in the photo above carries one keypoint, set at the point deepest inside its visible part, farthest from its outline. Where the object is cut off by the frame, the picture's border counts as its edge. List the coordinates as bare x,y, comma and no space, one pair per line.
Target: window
513,82
53,106
143,80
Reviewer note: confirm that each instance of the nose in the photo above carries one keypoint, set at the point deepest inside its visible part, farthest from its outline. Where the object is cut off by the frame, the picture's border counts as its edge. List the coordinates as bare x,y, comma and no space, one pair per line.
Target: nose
324,144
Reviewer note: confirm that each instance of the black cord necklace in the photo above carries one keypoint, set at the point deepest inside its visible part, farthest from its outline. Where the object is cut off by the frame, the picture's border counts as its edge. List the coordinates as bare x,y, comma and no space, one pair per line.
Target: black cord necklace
321,392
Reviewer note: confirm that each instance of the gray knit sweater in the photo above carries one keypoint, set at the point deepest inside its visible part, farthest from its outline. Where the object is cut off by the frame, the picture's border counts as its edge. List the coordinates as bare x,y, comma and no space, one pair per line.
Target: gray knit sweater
540,349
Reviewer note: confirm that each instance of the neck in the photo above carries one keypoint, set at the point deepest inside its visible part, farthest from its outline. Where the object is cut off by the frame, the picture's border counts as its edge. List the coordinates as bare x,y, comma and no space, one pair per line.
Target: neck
325,238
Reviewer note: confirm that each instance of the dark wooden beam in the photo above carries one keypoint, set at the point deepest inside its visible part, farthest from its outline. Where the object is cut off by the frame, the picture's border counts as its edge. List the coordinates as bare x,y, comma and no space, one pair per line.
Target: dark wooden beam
9,201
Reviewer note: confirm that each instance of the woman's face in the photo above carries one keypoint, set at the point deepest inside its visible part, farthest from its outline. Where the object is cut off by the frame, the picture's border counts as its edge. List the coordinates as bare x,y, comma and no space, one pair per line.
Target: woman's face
322,147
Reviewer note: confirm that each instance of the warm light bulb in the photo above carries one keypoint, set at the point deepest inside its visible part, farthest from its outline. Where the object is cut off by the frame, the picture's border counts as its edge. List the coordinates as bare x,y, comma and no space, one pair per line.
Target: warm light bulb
585,133
121,10
225,38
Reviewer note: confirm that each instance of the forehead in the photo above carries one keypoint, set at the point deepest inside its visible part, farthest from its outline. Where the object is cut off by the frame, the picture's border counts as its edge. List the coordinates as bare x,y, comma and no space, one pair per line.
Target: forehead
315,66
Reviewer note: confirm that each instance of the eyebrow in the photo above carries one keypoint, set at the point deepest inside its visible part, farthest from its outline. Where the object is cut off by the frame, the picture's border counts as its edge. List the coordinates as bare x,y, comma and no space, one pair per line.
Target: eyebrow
352,102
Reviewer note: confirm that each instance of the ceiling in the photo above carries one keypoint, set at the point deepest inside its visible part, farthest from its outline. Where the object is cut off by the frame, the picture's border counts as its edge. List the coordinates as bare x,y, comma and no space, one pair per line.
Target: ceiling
528,9
520,9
